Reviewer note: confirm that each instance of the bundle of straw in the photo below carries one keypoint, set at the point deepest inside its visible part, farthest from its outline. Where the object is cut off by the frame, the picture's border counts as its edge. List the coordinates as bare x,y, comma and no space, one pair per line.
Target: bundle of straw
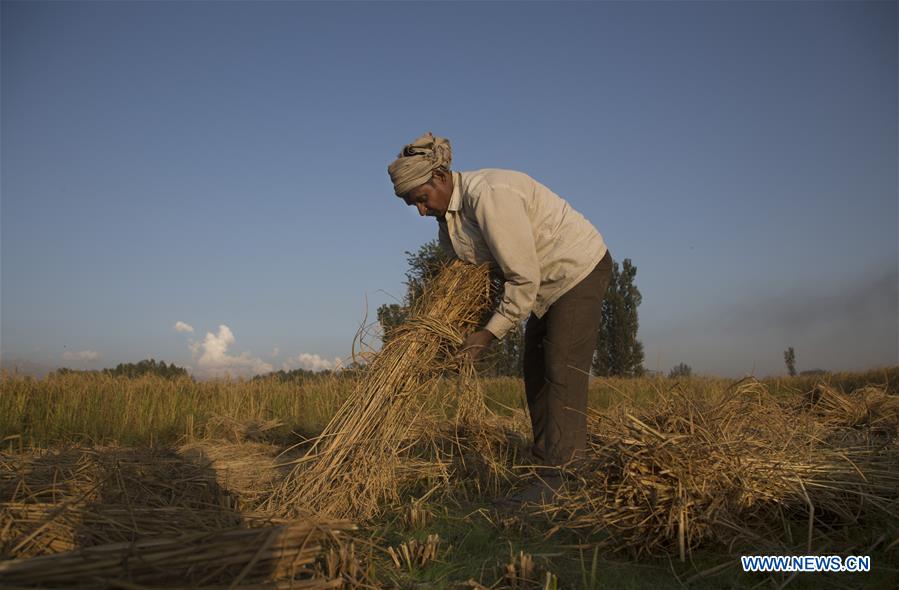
869,409
234,556
683,473
353,466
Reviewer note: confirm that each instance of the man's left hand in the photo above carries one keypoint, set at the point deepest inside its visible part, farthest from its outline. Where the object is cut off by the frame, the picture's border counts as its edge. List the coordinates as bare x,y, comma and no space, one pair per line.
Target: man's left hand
476,344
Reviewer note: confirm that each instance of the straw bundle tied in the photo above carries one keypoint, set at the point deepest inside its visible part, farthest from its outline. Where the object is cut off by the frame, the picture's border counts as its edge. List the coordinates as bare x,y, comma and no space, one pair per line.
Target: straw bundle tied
356,463
239,556
683,472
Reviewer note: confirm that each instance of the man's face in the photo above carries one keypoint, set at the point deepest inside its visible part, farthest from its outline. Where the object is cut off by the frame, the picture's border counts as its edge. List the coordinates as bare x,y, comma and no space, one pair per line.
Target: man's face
431,198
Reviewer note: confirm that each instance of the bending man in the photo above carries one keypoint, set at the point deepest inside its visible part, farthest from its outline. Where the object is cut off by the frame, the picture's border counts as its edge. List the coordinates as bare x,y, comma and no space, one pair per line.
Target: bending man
555,265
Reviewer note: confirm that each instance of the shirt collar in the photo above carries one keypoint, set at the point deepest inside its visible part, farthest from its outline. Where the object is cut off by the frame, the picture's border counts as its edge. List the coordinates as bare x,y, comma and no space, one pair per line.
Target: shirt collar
456,199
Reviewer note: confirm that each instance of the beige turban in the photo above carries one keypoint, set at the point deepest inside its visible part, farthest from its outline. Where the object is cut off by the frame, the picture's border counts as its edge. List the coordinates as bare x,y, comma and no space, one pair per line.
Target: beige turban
417,162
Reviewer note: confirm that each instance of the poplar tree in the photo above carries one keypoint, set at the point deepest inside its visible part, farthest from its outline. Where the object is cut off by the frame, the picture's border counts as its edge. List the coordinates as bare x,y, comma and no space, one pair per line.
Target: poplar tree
790,360
618,352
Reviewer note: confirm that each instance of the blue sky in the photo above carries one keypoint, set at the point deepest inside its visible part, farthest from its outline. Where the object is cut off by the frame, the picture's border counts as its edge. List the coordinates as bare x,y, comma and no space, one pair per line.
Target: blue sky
224,164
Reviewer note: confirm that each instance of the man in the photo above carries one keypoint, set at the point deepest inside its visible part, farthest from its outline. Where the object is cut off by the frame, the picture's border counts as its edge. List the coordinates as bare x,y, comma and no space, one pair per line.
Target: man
556,269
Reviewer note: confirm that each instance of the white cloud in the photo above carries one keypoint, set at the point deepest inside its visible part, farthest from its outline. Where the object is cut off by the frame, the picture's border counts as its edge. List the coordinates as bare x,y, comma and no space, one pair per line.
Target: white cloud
216,362
83,355
183,327
311,362
275,352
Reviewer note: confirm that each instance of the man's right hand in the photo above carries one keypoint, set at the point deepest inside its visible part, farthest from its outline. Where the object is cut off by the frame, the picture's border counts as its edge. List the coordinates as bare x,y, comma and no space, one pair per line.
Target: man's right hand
476,344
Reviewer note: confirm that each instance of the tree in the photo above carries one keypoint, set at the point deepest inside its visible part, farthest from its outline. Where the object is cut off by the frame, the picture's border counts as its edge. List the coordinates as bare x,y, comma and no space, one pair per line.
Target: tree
294,376
147,366
390,316
681,370
618,352
790,360
132,370
422,265
504,358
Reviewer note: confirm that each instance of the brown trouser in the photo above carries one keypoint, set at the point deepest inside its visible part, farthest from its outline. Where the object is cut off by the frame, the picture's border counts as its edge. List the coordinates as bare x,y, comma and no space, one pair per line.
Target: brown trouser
558,352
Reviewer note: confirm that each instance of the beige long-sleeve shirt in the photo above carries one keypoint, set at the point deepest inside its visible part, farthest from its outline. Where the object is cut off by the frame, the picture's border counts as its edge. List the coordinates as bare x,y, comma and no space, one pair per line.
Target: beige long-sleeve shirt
536,240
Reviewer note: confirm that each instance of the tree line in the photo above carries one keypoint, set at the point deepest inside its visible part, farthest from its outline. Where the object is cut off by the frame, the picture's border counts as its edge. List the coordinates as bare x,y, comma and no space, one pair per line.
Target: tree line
144,367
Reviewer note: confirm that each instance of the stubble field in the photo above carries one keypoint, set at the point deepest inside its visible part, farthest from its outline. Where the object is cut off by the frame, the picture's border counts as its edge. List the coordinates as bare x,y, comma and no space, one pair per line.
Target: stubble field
682,477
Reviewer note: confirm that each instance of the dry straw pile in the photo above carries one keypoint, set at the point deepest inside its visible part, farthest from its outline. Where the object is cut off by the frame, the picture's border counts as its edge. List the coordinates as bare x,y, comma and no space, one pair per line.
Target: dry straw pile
59,500
190,560
113,517
747,468
361,458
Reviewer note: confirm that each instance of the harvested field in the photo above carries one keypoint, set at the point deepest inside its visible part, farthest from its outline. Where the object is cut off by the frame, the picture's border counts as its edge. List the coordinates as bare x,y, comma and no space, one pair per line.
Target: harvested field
747,469
98,517
682,476
230,557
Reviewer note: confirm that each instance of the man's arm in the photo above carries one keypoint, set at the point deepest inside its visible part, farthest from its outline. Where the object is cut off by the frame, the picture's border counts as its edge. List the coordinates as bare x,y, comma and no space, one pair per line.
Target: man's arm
504,223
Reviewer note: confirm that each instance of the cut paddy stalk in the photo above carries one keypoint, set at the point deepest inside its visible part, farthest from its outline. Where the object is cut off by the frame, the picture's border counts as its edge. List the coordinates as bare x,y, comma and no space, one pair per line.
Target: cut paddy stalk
683,473
353,467
234,555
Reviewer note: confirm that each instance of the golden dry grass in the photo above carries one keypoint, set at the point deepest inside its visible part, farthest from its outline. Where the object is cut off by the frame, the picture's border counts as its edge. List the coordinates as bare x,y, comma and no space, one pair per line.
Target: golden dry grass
95,517
671,477
189,559
748,468
357,463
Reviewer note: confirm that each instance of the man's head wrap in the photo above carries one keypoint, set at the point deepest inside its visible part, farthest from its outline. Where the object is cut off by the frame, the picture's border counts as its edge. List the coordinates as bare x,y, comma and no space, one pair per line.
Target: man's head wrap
415,165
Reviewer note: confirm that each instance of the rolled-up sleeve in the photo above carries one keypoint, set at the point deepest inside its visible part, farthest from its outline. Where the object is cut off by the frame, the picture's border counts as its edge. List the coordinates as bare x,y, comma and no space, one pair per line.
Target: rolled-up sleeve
502,217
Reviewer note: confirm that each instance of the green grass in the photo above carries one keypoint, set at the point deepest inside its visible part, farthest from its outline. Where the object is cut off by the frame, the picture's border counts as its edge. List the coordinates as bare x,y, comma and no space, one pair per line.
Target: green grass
476,545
